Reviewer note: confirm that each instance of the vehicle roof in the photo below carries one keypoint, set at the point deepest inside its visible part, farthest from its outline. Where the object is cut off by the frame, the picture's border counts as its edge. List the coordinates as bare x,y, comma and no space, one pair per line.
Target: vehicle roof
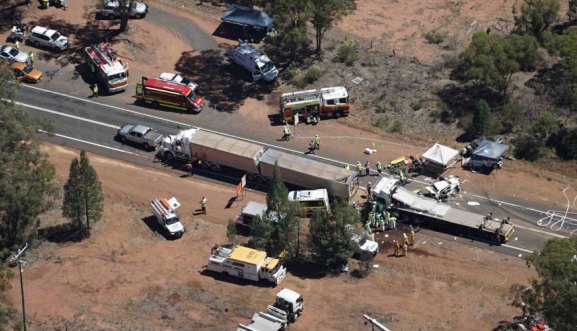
43,30
254,208
307,195
336,92
249,50
142,129
247,255
164,85
288,295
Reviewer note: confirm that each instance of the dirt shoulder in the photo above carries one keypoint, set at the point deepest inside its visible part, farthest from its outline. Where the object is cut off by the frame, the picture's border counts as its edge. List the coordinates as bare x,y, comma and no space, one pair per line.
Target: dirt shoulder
126,276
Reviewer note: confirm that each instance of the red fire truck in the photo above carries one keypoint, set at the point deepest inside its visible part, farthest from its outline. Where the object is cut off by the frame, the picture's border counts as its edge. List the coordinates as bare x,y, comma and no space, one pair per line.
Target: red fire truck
111,73
168,94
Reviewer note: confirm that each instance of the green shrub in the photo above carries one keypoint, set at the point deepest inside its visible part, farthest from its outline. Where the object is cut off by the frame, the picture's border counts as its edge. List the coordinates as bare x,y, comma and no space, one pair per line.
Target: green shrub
417,105
348,53
381,122
396,127
434,37
313,74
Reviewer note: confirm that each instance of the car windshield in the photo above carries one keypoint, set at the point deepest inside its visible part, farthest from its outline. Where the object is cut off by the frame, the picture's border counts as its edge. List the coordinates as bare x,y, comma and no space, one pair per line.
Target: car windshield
267,67
191,96
55,36
171,221
121,75
14,52
27,69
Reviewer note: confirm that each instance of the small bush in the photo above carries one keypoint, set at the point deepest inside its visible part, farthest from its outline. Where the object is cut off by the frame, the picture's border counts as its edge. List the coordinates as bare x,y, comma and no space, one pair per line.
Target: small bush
434,37
348,53
417,105
396,127
381,122
313,74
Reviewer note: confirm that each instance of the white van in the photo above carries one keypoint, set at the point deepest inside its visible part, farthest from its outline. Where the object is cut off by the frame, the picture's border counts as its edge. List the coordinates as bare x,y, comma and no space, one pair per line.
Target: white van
311,201
252,60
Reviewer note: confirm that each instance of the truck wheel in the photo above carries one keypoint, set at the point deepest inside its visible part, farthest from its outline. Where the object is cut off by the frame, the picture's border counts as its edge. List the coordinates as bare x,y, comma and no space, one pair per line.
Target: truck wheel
168,156
214,167
110,16
138,16
146,146
337,114
123,139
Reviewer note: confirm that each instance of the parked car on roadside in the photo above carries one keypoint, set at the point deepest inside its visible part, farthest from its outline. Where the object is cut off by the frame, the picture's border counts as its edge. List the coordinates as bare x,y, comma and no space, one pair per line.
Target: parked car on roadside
12,54
40,36
111,9
26,72
144,136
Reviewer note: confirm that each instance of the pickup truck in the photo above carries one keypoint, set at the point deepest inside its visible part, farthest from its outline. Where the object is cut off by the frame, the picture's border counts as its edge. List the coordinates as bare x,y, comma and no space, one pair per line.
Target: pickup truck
111,9
142,135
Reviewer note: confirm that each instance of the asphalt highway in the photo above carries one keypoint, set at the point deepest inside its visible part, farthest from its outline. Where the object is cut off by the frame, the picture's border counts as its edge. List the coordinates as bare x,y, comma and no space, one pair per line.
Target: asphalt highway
91,123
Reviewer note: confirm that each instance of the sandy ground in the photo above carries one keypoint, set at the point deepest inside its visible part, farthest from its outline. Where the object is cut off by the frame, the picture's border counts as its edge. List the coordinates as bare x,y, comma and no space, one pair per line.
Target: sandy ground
400,25
126,276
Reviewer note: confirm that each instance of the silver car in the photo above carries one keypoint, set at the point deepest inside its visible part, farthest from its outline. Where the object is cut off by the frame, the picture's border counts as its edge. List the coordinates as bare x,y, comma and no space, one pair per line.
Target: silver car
40,36
144,136
13,55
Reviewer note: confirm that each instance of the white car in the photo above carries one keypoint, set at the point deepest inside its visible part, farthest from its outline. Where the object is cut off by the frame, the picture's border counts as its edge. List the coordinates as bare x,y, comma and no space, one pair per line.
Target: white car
13,55
111,9
40,36
179,79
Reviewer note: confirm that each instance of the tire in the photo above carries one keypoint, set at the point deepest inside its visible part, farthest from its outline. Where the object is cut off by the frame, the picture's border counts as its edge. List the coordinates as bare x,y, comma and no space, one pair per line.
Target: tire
35,43
168,156
155,104
138,16
122,139
110,16
337,114
146,146
214,167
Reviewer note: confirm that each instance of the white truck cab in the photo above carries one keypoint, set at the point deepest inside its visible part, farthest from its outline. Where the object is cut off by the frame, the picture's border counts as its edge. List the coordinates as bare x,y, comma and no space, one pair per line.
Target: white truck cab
288,305
164,210
255,62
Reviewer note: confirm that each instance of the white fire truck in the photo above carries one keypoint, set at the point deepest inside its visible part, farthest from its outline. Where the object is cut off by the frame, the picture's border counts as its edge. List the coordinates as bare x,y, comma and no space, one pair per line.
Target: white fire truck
109,70
311,105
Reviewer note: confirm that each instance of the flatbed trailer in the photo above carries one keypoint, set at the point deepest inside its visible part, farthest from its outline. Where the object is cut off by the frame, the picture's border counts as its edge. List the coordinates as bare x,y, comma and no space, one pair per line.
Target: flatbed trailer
414,209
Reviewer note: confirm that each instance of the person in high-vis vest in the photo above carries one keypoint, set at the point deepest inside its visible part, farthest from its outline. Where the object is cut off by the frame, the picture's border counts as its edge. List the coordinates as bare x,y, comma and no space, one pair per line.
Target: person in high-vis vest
379,167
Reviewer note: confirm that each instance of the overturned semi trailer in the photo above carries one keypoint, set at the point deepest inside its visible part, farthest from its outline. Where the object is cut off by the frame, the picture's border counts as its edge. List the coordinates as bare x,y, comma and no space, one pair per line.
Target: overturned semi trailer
415,209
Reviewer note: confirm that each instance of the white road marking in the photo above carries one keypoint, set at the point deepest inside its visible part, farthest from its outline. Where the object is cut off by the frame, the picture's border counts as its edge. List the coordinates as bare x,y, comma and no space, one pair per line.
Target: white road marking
517,248
88,142
66,115
541,231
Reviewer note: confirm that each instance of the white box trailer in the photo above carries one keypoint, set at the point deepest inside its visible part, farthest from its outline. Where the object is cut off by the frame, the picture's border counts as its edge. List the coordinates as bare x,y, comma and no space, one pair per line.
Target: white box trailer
246,263
222,150
309,174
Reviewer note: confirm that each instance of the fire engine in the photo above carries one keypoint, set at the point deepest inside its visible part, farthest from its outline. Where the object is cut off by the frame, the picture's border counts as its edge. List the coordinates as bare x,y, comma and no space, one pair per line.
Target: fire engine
311,105
159,92
107,67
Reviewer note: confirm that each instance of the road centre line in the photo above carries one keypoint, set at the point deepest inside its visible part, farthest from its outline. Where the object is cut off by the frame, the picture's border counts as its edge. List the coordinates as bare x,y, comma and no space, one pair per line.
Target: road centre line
221,133
181,123
66,115
517,248
87,142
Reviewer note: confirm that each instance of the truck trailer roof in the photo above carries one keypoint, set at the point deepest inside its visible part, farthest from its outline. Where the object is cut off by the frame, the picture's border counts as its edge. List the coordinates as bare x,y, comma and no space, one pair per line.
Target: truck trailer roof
247,255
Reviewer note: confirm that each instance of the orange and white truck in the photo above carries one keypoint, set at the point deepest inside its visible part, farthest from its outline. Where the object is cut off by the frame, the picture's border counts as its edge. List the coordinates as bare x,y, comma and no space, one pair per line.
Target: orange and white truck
159,92
311,105
110,71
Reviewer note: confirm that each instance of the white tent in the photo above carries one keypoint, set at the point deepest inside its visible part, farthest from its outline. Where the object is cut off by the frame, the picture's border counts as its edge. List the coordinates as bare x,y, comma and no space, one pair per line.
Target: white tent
440,155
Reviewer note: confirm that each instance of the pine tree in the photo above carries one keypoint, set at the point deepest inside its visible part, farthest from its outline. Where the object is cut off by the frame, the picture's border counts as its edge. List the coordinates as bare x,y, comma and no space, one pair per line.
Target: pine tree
73,205
83,196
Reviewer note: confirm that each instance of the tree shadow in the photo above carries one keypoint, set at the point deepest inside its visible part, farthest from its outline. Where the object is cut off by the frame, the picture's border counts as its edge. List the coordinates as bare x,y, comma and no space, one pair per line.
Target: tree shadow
306,269
63,233
226,85
9,10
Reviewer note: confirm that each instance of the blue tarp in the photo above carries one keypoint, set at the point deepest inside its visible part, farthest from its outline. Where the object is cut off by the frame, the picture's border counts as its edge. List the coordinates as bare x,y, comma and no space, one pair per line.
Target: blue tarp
490,150
245,16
